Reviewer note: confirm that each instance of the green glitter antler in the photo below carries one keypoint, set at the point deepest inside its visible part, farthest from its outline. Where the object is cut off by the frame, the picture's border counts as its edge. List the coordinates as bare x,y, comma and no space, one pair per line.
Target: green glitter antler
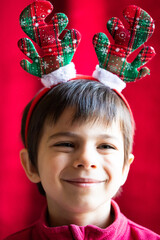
113,57
54,53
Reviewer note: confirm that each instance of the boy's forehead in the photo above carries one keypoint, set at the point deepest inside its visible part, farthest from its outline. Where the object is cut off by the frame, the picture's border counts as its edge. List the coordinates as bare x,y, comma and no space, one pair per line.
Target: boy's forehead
65,123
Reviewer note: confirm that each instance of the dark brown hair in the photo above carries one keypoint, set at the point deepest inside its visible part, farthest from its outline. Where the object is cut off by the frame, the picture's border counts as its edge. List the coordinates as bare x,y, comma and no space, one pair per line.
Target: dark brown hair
91,101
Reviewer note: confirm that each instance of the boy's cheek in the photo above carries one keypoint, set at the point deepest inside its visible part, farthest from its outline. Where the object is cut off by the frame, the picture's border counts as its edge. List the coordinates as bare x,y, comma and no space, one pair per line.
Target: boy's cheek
114,162
114,171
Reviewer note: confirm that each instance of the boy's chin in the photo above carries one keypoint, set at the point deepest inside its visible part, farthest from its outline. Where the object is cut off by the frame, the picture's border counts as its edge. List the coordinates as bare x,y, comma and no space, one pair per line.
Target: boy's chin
87,205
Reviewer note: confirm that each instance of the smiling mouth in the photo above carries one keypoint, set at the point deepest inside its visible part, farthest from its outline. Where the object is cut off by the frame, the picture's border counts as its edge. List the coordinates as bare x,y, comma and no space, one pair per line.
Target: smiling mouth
84,182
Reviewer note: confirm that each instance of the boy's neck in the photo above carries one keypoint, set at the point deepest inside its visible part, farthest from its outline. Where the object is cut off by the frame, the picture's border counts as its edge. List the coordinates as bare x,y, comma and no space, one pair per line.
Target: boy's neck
100,217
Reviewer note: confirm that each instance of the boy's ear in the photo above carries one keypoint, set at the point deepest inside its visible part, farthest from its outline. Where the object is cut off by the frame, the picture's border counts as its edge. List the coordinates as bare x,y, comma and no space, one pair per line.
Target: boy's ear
126,168
29,169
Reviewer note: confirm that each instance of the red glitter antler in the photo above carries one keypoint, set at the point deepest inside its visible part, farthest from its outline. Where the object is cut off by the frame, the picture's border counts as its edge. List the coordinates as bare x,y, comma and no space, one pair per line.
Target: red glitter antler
55,53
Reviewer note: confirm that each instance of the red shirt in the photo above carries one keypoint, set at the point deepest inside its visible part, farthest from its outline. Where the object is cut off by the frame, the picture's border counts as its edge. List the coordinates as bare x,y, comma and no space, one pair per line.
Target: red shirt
121,229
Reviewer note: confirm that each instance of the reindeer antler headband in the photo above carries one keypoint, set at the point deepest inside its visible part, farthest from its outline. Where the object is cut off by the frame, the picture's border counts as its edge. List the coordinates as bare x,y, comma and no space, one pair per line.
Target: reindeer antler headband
53,63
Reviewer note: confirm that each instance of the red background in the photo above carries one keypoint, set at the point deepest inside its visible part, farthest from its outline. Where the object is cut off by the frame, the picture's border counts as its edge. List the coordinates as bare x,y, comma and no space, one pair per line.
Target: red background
20,202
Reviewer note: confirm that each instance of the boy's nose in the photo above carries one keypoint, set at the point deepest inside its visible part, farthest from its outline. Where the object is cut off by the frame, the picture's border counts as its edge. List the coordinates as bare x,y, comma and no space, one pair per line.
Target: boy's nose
87,158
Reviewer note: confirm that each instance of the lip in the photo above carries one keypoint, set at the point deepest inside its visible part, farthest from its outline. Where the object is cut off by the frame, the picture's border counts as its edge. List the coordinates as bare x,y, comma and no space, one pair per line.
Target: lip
84,182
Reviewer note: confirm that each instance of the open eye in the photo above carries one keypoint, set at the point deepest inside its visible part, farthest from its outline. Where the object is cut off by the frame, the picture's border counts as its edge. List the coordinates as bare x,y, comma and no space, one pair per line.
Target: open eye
65,147
105,146
64,144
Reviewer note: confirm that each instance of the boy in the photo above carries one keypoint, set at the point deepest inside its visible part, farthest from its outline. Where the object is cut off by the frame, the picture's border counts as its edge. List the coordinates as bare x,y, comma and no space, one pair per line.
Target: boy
78,131
79,152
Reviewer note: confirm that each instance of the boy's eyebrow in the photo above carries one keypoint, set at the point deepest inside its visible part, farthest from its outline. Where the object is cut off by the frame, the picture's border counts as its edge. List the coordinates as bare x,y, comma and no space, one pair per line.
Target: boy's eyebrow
108,136
62,134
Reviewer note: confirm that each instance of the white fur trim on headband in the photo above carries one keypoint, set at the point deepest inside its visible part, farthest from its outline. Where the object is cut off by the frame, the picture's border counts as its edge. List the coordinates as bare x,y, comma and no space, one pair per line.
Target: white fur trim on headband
109,79
63,74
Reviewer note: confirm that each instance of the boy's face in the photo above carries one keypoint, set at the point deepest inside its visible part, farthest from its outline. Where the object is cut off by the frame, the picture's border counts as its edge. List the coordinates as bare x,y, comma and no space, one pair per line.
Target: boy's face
80,165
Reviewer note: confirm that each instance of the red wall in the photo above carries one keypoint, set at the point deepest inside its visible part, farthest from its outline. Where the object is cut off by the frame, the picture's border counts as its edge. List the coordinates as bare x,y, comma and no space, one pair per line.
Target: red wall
20,202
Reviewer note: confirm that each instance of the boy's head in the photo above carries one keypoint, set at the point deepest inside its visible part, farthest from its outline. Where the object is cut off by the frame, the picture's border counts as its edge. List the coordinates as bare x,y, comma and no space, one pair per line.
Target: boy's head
90,101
